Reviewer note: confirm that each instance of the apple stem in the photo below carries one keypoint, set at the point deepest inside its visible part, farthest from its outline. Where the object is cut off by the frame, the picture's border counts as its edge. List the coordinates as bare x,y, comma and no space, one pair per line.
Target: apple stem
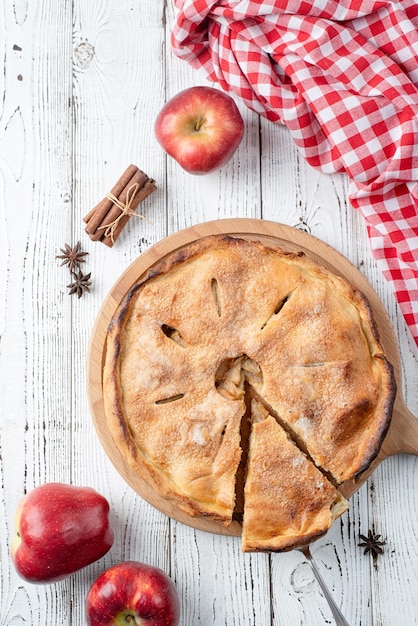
199,123
127,617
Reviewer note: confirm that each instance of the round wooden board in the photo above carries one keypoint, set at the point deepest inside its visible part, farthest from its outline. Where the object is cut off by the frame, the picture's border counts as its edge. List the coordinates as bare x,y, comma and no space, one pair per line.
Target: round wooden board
403,432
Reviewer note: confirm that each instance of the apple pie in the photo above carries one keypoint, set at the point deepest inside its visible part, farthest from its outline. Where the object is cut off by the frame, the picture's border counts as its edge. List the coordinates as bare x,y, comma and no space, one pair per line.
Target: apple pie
224,325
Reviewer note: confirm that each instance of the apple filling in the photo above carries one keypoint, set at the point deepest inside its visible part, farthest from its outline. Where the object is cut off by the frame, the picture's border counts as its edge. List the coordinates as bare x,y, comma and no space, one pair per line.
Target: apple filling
232,375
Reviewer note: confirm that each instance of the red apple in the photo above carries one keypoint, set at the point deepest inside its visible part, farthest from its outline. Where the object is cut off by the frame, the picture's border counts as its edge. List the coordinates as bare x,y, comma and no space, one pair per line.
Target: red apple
59,529
200,128
132,593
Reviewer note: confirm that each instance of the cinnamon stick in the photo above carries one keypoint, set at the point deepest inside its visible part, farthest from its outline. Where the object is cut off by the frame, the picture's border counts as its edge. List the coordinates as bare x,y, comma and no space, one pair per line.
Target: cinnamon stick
106,220
95,217
89,215
148,187
114,211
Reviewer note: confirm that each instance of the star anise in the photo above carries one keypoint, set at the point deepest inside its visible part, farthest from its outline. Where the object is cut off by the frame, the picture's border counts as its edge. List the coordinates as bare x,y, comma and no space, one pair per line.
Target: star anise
80,284
372,544
72,257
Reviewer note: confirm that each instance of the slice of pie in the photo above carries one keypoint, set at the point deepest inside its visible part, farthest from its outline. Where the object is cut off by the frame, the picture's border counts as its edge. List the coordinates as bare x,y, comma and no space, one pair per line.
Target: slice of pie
288,501
218,317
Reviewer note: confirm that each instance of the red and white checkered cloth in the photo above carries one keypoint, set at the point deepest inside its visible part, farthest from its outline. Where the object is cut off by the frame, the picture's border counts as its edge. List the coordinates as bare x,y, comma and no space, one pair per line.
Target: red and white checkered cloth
343,76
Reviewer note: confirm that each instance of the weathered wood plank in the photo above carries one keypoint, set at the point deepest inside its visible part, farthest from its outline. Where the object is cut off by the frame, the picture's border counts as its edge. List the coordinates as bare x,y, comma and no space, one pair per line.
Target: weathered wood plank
35,210
222,585
297,195
118,78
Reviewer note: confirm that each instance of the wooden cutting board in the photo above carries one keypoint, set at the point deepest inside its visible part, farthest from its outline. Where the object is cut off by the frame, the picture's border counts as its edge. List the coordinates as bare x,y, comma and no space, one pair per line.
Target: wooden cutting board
402,436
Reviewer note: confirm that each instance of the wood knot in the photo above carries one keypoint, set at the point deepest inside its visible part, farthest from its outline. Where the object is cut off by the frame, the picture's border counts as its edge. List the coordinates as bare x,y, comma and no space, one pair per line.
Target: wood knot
302,579
302,225
83,54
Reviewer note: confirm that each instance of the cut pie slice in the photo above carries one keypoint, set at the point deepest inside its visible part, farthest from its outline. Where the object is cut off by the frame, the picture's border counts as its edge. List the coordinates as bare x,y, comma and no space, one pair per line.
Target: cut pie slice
288,502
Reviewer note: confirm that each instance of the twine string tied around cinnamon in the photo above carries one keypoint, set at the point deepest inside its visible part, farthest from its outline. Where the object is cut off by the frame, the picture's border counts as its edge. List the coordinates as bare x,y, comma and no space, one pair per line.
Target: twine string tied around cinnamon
125,208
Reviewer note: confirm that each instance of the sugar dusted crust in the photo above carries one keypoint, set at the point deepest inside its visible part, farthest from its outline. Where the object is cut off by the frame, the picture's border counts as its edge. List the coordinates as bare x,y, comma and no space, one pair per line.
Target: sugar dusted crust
216,316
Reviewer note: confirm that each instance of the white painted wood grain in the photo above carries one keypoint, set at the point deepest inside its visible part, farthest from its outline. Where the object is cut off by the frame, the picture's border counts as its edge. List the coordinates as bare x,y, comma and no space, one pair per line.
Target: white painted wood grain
118,78
36,169
81,86
221,585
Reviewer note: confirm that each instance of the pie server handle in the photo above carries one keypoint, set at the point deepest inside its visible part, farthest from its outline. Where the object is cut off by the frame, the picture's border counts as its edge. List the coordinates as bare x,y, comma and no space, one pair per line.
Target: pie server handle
338,616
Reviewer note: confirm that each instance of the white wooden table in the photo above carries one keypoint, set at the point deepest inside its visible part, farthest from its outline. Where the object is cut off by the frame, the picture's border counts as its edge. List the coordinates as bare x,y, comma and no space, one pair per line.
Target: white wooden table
82,83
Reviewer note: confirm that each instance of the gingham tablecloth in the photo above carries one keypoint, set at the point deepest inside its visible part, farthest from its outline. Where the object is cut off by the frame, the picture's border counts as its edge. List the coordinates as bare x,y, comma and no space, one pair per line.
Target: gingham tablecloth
343,77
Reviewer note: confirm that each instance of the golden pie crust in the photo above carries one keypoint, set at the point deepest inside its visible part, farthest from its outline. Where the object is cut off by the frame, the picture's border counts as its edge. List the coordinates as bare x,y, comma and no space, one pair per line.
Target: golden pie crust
220,322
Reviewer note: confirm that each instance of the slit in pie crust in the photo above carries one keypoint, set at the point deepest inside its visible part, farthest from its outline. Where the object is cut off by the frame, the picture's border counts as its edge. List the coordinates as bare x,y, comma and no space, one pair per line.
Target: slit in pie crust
215,319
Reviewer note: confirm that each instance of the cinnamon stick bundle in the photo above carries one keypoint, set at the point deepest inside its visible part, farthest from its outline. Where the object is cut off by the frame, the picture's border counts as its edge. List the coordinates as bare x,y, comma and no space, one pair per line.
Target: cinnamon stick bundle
106,221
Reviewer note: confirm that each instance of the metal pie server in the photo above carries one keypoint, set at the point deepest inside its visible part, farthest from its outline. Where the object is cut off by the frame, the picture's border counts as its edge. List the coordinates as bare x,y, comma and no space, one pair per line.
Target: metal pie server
338,616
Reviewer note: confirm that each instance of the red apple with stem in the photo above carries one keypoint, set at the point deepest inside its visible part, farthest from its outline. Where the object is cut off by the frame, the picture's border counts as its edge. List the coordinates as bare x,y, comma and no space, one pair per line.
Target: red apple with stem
132,593
201,128
59,529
